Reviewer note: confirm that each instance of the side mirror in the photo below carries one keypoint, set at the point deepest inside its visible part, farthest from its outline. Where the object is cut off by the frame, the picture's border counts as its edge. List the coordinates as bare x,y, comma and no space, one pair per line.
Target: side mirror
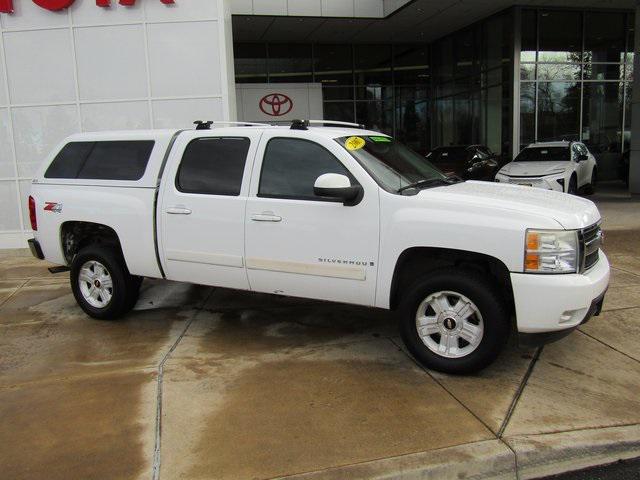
582,157
339,188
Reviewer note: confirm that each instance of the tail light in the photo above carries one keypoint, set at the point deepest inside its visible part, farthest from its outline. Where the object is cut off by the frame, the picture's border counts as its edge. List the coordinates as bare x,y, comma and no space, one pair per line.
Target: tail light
32,214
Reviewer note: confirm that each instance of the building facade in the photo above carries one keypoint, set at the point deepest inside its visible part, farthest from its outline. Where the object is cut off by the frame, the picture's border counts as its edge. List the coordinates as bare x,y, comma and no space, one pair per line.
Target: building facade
429,72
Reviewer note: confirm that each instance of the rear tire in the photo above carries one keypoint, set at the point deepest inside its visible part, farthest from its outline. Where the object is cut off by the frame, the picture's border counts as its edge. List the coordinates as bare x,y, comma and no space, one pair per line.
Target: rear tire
454,322
101,283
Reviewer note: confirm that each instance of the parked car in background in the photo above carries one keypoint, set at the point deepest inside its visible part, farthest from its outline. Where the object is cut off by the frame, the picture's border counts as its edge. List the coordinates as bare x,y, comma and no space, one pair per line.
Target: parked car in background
562,166
469,162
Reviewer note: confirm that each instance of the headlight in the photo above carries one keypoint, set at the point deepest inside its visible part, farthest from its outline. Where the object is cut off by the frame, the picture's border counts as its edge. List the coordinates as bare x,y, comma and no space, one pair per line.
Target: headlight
551,251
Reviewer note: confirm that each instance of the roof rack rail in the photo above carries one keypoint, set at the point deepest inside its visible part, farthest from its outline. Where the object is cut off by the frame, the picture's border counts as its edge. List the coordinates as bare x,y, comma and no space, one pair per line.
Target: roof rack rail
200,125
335,122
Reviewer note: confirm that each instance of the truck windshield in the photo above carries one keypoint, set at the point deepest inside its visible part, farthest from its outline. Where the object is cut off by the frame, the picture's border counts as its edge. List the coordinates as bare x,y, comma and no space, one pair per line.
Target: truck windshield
394,166
542,154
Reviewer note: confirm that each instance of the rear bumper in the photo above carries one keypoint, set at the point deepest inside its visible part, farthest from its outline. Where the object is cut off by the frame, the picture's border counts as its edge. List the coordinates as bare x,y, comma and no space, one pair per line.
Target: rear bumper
542,338
35,248
551,303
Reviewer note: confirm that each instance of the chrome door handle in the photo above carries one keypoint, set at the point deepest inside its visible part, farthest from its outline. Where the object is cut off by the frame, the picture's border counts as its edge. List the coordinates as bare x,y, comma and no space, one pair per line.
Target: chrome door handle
265,217
178,210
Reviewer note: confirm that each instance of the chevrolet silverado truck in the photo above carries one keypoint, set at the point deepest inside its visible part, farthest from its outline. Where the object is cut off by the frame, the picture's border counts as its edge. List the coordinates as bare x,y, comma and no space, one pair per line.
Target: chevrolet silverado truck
322,211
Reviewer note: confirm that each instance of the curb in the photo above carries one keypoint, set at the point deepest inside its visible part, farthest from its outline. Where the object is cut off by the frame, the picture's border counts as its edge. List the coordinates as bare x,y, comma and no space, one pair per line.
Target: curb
490,459
537,456
554,453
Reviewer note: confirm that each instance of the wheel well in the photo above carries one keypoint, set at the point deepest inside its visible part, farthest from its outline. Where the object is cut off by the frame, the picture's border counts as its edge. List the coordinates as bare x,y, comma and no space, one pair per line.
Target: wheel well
77,235
414,262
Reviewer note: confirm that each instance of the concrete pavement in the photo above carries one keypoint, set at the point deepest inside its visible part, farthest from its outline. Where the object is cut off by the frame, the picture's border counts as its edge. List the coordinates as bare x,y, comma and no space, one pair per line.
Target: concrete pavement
211,383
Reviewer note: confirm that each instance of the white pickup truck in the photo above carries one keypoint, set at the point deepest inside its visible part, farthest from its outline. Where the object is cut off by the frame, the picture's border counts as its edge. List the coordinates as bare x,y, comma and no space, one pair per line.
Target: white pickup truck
326,212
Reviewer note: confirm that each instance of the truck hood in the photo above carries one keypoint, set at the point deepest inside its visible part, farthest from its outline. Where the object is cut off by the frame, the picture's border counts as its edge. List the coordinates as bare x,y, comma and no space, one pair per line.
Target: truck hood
535,169
570,211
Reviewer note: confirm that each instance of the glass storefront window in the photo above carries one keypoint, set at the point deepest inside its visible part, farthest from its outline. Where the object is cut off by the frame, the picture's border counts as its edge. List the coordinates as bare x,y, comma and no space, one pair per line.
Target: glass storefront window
290,63
527,113
559,71
333,64
375,116
604,71
340,111
529,41
558,111
413,127
602,116
604,39
560,36
250,62
372,64
411,64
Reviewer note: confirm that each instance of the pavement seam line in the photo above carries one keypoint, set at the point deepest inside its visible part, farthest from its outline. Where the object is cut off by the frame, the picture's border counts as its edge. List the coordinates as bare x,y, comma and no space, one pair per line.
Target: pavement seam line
608,346
519,391
158,428
443,387
14,292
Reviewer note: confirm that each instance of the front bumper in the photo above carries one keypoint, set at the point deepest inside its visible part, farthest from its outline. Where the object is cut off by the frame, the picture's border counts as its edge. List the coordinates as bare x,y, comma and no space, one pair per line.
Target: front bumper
550,182
554,302
542,338
35,248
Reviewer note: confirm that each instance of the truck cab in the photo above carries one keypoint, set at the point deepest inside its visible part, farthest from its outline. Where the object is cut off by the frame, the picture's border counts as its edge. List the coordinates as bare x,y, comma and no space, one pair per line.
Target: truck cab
324,211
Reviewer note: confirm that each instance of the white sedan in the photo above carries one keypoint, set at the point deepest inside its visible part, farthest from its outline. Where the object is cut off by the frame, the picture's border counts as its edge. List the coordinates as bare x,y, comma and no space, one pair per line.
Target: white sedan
562,166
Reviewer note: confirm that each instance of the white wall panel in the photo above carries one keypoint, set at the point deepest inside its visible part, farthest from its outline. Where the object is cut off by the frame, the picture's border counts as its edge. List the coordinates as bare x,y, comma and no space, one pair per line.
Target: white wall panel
242,7
337,8
311,8
182,113
184,10
111,62
24,189
368,8
180,60
40,66
7,169
3,86
86,13
37,130
270,7
9,214
115,116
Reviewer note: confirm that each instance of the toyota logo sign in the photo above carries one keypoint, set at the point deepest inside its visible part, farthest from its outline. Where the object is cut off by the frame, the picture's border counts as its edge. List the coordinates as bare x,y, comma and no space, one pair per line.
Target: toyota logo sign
276,104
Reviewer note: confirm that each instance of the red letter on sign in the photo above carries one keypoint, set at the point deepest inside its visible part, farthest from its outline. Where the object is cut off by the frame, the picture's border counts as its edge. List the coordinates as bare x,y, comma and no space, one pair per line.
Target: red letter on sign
6,6
53,5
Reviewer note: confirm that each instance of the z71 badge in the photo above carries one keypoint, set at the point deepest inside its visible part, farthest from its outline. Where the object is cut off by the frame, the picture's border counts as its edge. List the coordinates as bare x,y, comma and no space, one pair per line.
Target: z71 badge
53,207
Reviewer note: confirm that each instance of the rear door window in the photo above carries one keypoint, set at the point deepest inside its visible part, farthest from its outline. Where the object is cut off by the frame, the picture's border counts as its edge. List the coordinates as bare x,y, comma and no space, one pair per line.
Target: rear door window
213,166
109,160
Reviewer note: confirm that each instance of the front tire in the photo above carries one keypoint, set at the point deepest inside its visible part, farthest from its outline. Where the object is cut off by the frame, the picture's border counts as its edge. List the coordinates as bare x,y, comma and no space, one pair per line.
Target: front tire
572,189
454,322
101,283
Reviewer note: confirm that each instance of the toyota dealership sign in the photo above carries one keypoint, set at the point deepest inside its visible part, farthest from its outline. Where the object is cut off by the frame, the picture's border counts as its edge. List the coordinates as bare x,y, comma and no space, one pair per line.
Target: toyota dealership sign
6,6
268,102
275,104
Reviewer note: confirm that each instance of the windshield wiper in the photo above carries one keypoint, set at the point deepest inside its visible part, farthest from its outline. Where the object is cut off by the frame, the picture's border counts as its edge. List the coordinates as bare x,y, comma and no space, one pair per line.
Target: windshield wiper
427,182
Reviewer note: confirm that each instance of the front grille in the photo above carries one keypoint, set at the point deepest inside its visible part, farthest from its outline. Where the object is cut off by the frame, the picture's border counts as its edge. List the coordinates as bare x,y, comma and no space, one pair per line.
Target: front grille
590,241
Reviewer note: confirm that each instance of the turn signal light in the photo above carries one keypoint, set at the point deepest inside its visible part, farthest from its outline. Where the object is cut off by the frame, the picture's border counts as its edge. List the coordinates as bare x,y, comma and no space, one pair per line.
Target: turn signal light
32,214
533,240
532,261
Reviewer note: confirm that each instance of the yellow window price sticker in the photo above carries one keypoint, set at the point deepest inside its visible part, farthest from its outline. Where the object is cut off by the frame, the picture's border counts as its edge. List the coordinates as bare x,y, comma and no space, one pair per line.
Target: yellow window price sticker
354,143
